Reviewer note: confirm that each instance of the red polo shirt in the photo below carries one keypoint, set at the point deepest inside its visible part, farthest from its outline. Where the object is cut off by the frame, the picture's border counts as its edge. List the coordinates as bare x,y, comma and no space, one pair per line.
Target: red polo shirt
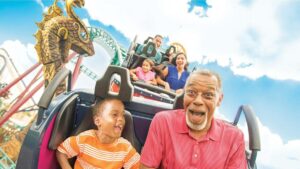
169,144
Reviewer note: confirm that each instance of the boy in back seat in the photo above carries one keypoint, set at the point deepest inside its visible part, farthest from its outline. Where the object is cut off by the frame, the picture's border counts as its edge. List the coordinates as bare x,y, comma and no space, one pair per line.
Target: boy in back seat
104,147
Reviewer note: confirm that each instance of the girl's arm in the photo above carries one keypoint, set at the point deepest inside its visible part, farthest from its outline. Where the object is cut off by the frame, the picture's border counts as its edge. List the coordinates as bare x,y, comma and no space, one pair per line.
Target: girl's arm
133,75
153,82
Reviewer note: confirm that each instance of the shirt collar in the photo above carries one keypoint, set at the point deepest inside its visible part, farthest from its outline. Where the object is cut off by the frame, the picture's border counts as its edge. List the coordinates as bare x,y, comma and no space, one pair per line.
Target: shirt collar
214,133
182,127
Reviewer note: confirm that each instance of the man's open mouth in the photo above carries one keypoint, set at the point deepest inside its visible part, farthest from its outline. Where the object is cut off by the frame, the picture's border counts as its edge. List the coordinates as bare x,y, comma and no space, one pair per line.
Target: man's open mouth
197,113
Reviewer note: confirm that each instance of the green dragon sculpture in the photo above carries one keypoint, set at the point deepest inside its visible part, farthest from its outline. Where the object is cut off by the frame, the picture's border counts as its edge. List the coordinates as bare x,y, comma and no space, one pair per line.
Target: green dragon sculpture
58,34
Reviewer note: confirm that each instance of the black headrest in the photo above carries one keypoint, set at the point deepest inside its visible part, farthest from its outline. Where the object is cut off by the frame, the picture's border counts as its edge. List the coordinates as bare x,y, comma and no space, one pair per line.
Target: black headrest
178,102
88,123
170,50
149,50
102,88
149,39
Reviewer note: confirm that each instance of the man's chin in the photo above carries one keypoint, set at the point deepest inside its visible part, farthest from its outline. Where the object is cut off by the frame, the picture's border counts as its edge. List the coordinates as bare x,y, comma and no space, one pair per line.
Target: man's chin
197,123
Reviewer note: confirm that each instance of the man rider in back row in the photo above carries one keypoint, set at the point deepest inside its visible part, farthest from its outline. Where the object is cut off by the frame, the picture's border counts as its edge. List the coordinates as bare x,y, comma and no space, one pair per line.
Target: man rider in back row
157,40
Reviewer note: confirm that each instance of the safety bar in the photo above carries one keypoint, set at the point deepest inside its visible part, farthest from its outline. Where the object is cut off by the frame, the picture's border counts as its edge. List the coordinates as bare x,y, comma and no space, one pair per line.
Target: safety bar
153,88
50,91
253,130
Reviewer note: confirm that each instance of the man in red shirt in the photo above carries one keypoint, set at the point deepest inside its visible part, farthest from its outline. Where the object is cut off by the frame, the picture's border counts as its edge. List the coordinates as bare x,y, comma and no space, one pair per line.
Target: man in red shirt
191,138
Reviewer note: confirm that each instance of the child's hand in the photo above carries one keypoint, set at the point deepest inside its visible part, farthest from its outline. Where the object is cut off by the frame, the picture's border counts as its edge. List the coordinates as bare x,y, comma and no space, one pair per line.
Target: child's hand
167,86
179,91
134,77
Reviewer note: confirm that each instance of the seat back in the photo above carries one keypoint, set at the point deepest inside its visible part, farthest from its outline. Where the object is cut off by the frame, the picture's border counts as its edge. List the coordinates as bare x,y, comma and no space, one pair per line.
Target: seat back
149,50
125,94
149,39
88,123
178,102
64,123
103,85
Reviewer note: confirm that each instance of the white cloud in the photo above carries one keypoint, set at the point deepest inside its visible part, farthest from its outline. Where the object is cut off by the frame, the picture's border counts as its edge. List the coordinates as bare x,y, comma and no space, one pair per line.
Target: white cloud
86,22
45,9
226,34
96,64
274,152
23,57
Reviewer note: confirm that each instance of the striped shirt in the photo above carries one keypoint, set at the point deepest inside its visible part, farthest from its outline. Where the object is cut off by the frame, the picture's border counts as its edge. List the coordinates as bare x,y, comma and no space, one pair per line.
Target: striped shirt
92,154
170,146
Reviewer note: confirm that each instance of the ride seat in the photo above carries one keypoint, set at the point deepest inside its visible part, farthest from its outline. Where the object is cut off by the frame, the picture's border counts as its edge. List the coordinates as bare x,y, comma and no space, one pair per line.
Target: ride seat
149,50
178,102
149,39
88,123
170,51
64,123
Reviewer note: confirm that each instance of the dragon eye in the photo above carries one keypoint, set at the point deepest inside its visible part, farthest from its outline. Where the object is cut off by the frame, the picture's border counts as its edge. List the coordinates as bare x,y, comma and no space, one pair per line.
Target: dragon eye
83,35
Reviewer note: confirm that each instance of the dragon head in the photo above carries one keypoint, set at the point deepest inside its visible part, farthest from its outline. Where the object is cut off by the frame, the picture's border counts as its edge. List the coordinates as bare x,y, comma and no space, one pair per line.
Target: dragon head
77,3
82,44
83,48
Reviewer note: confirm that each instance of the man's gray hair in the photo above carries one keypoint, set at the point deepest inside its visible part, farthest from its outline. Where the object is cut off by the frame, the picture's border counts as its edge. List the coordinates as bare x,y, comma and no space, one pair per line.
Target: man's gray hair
208,73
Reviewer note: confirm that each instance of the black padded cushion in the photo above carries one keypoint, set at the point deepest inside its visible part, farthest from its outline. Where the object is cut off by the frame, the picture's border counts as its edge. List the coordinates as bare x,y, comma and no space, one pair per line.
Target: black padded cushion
64,122
88,123
170,50
149,39
178,102
149,50
103,85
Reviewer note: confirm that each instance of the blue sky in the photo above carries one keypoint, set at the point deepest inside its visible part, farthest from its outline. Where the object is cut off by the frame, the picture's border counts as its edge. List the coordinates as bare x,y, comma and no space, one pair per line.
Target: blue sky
253,44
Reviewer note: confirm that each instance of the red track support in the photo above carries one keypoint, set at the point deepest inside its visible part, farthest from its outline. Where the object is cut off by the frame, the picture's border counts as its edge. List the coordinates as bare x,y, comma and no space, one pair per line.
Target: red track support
71,56
21,99
30,84
76,71
6,88
20,103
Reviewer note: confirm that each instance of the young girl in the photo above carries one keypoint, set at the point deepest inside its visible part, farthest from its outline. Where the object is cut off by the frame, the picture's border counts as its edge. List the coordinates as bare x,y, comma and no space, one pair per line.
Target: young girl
144,73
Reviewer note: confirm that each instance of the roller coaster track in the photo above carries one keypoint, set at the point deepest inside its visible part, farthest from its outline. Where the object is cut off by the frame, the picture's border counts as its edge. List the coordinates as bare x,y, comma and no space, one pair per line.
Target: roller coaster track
104,39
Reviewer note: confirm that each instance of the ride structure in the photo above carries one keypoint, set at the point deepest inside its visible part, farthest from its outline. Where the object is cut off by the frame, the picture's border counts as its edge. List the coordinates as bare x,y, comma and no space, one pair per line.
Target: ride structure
58,34
55,35
62,115
71,113
99,37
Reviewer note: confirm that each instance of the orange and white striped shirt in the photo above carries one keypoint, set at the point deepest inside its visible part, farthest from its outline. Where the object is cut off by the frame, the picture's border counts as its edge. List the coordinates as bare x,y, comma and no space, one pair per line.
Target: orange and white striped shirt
92,154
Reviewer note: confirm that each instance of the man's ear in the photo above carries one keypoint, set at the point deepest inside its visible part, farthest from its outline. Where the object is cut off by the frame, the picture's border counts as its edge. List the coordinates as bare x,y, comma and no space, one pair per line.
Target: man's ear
219,101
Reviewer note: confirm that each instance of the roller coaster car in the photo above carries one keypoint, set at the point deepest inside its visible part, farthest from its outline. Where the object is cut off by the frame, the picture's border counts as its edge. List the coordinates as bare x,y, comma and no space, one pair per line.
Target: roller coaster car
70,113
138,52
